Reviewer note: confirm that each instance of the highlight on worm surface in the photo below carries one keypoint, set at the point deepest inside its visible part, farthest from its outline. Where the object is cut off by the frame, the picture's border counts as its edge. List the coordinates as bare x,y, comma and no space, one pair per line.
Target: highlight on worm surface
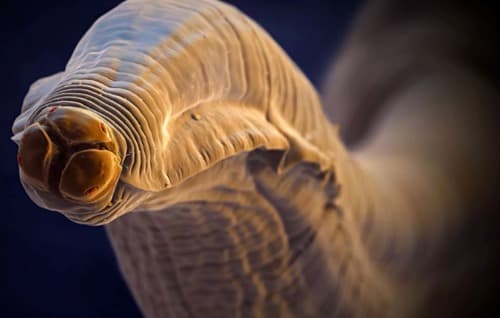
224,180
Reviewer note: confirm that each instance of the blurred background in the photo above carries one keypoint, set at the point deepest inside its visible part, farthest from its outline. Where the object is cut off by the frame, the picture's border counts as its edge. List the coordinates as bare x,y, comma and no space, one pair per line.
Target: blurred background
52,267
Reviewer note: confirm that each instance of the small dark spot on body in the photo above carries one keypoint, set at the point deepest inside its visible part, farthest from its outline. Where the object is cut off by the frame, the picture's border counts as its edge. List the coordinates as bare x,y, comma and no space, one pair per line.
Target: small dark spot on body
195,116
331,207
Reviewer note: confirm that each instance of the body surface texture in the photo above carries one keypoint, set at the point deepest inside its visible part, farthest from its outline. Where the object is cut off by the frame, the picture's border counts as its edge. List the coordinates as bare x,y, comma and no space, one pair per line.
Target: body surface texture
226,190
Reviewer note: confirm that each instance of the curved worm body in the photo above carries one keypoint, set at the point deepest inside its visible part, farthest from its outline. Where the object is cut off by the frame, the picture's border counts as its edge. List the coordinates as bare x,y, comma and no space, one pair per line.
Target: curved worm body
230,193
202,60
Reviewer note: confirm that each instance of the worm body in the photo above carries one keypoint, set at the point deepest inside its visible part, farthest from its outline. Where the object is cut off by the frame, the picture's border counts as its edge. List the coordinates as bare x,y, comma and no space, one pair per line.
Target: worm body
204,84
227,192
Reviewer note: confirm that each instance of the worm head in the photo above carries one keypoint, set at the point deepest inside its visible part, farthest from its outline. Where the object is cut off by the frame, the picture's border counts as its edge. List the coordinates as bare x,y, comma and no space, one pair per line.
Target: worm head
69,161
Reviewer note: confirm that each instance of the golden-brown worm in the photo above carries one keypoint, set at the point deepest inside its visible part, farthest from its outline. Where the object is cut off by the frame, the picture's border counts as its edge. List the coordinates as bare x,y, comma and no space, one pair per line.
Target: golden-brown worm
227,192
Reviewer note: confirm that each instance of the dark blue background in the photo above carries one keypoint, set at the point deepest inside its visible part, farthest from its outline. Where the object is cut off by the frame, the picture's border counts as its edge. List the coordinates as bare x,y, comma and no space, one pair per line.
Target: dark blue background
51,267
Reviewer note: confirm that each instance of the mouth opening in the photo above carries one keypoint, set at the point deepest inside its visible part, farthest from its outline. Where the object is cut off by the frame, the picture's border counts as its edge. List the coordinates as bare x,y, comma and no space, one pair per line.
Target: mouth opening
70,153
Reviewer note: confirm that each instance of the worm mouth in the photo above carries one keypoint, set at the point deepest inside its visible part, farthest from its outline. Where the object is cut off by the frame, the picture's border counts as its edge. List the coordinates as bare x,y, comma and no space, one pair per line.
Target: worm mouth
69,154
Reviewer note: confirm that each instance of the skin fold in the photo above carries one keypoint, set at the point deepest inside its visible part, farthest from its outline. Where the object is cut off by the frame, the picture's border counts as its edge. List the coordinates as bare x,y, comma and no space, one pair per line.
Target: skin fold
226,190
